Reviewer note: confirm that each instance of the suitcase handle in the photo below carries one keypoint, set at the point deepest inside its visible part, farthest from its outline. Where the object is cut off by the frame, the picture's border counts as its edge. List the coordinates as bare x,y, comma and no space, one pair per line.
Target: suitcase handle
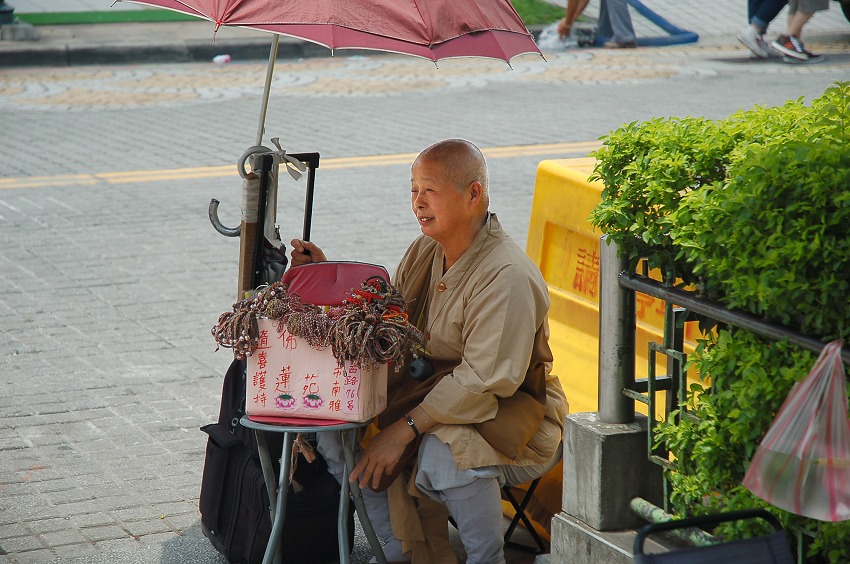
312,162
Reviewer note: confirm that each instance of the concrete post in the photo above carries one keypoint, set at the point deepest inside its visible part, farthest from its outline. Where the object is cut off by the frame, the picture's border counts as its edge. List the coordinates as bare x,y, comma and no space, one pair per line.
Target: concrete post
616,338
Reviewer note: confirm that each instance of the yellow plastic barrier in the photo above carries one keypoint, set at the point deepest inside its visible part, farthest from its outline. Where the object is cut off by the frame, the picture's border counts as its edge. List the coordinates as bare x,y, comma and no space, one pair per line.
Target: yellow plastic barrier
565,246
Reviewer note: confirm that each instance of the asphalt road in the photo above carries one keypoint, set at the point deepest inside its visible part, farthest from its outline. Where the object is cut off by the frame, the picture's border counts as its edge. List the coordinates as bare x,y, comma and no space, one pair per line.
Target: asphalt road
111,276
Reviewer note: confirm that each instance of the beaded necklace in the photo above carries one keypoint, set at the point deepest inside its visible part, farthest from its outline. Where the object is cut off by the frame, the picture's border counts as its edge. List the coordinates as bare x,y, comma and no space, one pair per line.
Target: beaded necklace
370,327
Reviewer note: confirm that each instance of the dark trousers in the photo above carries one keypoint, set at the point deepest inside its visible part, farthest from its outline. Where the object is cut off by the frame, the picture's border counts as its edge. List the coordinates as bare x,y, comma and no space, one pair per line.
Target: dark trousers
762,12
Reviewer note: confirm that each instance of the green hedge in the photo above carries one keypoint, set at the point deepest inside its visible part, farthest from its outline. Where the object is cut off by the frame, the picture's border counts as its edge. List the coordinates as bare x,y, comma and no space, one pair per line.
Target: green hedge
755,210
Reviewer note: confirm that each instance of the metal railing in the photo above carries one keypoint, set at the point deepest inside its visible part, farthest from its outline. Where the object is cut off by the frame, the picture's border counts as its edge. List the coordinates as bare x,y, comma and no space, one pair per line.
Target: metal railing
618,387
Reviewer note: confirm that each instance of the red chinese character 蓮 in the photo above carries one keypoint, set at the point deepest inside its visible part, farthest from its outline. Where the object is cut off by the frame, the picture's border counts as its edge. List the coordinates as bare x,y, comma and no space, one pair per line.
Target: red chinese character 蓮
283,378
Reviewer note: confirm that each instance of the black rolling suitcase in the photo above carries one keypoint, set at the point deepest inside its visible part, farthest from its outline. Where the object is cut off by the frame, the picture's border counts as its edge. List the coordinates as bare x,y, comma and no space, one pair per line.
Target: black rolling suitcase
234,504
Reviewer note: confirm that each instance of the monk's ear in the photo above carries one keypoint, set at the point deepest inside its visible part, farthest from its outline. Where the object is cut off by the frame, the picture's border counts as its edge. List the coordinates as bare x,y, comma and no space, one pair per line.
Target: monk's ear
475,192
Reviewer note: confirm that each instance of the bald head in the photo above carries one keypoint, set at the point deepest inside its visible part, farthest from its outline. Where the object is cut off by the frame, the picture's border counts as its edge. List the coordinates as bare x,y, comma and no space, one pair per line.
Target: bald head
462,163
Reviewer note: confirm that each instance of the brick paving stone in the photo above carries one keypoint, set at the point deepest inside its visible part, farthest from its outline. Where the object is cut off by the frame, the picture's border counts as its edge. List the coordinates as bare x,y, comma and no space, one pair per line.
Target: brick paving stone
58,485
33,557
71,496
135,513
21,544
176,508
13,444
43,526
105,532
183,521
96,519
139,528
118,545
12,530
82,551
64,537
158,539
17,489
101,503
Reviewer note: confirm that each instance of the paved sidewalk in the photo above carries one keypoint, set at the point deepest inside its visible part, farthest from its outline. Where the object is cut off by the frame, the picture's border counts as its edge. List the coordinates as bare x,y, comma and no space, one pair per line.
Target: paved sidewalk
111,276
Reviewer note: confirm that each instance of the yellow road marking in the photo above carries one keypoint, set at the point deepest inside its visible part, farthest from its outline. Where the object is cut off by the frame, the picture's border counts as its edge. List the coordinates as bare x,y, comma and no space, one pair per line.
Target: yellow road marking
549,149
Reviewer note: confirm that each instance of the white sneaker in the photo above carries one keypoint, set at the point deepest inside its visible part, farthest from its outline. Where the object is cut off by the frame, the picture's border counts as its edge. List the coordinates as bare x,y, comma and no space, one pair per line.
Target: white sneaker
755,42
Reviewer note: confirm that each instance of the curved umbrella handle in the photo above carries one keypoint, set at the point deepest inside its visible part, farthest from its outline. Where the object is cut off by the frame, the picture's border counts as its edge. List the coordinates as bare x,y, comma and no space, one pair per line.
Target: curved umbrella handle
218,225
249,152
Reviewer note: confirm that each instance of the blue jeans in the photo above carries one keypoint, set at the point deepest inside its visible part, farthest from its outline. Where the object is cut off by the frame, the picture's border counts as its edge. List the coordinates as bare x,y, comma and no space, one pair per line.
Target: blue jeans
761,12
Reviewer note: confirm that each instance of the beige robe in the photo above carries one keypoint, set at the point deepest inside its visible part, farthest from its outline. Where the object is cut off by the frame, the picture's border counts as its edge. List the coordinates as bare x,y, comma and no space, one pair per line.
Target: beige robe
488,315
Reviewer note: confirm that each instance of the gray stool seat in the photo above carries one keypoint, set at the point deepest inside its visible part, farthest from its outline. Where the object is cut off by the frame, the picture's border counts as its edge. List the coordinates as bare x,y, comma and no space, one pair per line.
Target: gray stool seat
278,488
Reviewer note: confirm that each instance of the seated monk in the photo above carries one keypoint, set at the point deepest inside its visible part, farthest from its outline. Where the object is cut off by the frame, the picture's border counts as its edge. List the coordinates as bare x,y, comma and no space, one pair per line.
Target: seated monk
480,408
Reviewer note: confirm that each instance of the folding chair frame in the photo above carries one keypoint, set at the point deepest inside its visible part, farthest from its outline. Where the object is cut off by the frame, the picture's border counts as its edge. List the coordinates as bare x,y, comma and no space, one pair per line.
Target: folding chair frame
519,508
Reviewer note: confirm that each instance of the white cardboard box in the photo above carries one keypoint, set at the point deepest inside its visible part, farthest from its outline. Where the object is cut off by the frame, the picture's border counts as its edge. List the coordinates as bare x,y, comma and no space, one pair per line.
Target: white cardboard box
289,378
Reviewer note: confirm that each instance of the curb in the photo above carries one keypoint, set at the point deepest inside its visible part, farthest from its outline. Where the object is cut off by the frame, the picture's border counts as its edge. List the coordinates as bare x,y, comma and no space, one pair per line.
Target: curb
181,52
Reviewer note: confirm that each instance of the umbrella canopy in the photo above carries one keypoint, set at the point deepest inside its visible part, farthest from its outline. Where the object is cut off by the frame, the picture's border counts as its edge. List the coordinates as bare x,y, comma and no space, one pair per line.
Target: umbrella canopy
433,29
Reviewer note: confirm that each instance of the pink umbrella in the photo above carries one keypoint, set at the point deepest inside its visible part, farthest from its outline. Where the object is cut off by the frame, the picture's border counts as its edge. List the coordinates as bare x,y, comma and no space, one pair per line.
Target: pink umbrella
433,29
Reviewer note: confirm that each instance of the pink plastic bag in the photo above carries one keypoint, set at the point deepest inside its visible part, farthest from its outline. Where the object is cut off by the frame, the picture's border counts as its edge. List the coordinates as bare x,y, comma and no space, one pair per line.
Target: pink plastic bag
803,463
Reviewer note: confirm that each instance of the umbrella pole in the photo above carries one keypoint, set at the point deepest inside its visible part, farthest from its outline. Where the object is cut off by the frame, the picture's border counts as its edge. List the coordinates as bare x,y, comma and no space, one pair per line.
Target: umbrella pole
264,103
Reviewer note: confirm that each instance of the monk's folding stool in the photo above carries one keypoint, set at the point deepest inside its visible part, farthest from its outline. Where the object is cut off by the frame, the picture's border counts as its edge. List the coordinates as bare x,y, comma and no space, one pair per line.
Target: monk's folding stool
519,515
